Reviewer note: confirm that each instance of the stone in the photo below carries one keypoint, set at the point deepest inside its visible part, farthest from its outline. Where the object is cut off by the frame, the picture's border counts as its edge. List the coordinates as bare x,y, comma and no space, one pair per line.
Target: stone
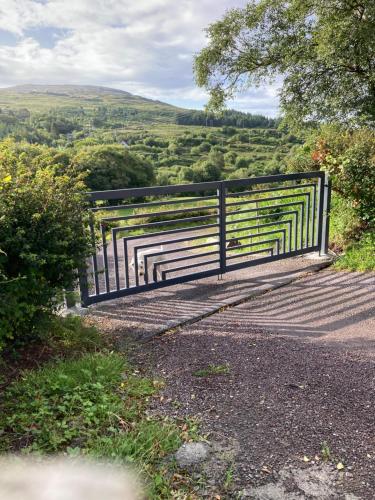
270,491
191,454
76,310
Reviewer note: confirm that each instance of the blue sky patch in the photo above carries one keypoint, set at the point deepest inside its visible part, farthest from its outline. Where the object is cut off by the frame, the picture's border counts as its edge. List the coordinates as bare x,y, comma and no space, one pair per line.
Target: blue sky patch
8,38
46,37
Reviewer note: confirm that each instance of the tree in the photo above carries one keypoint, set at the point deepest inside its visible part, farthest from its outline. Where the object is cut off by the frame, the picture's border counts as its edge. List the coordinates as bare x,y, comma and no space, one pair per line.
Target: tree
204,147
230,157
113,167
216,158
324,50
241,162
203,171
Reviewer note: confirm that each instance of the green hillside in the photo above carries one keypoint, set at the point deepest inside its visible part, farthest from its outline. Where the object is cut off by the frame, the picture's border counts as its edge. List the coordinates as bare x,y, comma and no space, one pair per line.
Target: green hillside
175,141
83,102
45,97
96,106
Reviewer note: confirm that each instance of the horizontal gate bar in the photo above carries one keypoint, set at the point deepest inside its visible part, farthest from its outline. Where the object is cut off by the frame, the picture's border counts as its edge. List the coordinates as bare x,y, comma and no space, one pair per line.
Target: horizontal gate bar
248,219
123,292
120,194
190,266
254,252
181,259
179,240
267,190
177,259
263,260
269,179
249,245
259,226
265,233
169,231
268,207
156,214
257,200
163,223
256,235
154,203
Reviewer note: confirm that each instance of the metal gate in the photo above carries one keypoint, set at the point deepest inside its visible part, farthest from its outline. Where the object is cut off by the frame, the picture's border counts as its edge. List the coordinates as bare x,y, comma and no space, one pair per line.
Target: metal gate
146,238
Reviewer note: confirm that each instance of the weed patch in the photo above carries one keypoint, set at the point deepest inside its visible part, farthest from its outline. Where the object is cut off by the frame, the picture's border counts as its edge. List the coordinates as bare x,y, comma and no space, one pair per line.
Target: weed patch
359,256
94,406
212,370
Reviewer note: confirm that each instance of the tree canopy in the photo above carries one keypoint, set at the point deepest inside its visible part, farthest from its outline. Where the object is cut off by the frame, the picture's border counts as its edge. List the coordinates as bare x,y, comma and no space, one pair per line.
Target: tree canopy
323,50
111,166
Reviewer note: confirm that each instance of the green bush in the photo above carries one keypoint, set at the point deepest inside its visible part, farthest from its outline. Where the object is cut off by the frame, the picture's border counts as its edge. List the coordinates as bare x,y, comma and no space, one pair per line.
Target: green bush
216,158
43,240
345,226
230,157
349,157
241,162
203,171
204,147
113,167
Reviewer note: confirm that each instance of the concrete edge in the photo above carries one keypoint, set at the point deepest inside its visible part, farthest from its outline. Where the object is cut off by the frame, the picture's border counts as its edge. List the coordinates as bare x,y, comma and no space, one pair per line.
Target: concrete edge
172,325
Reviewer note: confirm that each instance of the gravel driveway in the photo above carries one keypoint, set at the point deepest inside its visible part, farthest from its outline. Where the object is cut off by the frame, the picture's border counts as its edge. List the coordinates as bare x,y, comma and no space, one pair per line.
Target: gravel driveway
297,397
148,313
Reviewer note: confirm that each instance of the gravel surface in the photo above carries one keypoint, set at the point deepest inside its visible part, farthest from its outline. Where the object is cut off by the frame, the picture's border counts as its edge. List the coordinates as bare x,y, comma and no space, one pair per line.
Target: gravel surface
300,373
148,313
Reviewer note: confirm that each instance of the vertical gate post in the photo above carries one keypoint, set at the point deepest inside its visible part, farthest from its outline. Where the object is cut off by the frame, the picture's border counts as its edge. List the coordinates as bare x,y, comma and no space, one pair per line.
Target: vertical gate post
326,205
83,285
221,193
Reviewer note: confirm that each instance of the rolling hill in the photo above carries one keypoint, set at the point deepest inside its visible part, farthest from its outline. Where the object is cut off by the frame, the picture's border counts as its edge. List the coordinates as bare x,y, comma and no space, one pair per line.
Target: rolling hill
171,138
112,104
78,98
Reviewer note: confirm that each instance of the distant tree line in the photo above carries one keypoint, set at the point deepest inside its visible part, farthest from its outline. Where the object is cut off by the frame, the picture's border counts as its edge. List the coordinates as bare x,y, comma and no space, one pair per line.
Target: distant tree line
228,117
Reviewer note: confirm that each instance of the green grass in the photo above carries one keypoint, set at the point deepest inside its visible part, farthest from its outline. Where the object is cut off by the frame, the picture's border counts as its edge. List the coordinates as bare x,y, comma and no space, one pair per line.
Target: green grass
229,478
344,223
358,256
94,406
354,254
212,370
70,336
325,451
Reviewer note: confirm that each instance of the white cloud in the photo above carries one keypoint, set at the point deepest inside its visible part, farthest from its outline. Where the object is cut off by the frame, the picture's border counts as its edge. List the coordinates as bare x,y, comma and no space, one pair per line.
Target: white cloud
143,46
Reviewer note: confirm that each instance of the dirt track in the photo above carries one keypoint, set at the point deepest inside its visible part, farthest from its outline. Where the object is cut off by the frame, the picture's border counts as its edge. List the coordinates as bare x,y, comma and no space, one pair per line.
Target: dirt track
301,373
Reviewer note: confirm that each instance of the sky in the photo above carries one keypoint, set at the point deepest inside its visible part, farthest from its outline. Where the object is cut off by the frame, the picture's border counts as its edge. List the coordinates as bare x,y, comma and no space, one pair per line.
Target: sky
142,46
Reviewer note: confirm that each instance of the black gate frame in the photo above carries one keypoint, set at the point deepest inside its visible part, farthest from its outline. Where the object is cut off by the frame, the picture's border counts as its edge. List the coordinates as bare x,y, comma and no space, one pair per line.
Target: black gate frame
318,241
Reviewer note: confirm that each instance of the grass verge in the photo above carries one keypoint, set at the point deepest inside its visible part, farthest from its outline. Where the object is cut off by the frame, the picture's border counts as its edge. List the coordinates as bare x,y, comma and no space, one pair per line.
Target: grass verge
93,405
359,256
